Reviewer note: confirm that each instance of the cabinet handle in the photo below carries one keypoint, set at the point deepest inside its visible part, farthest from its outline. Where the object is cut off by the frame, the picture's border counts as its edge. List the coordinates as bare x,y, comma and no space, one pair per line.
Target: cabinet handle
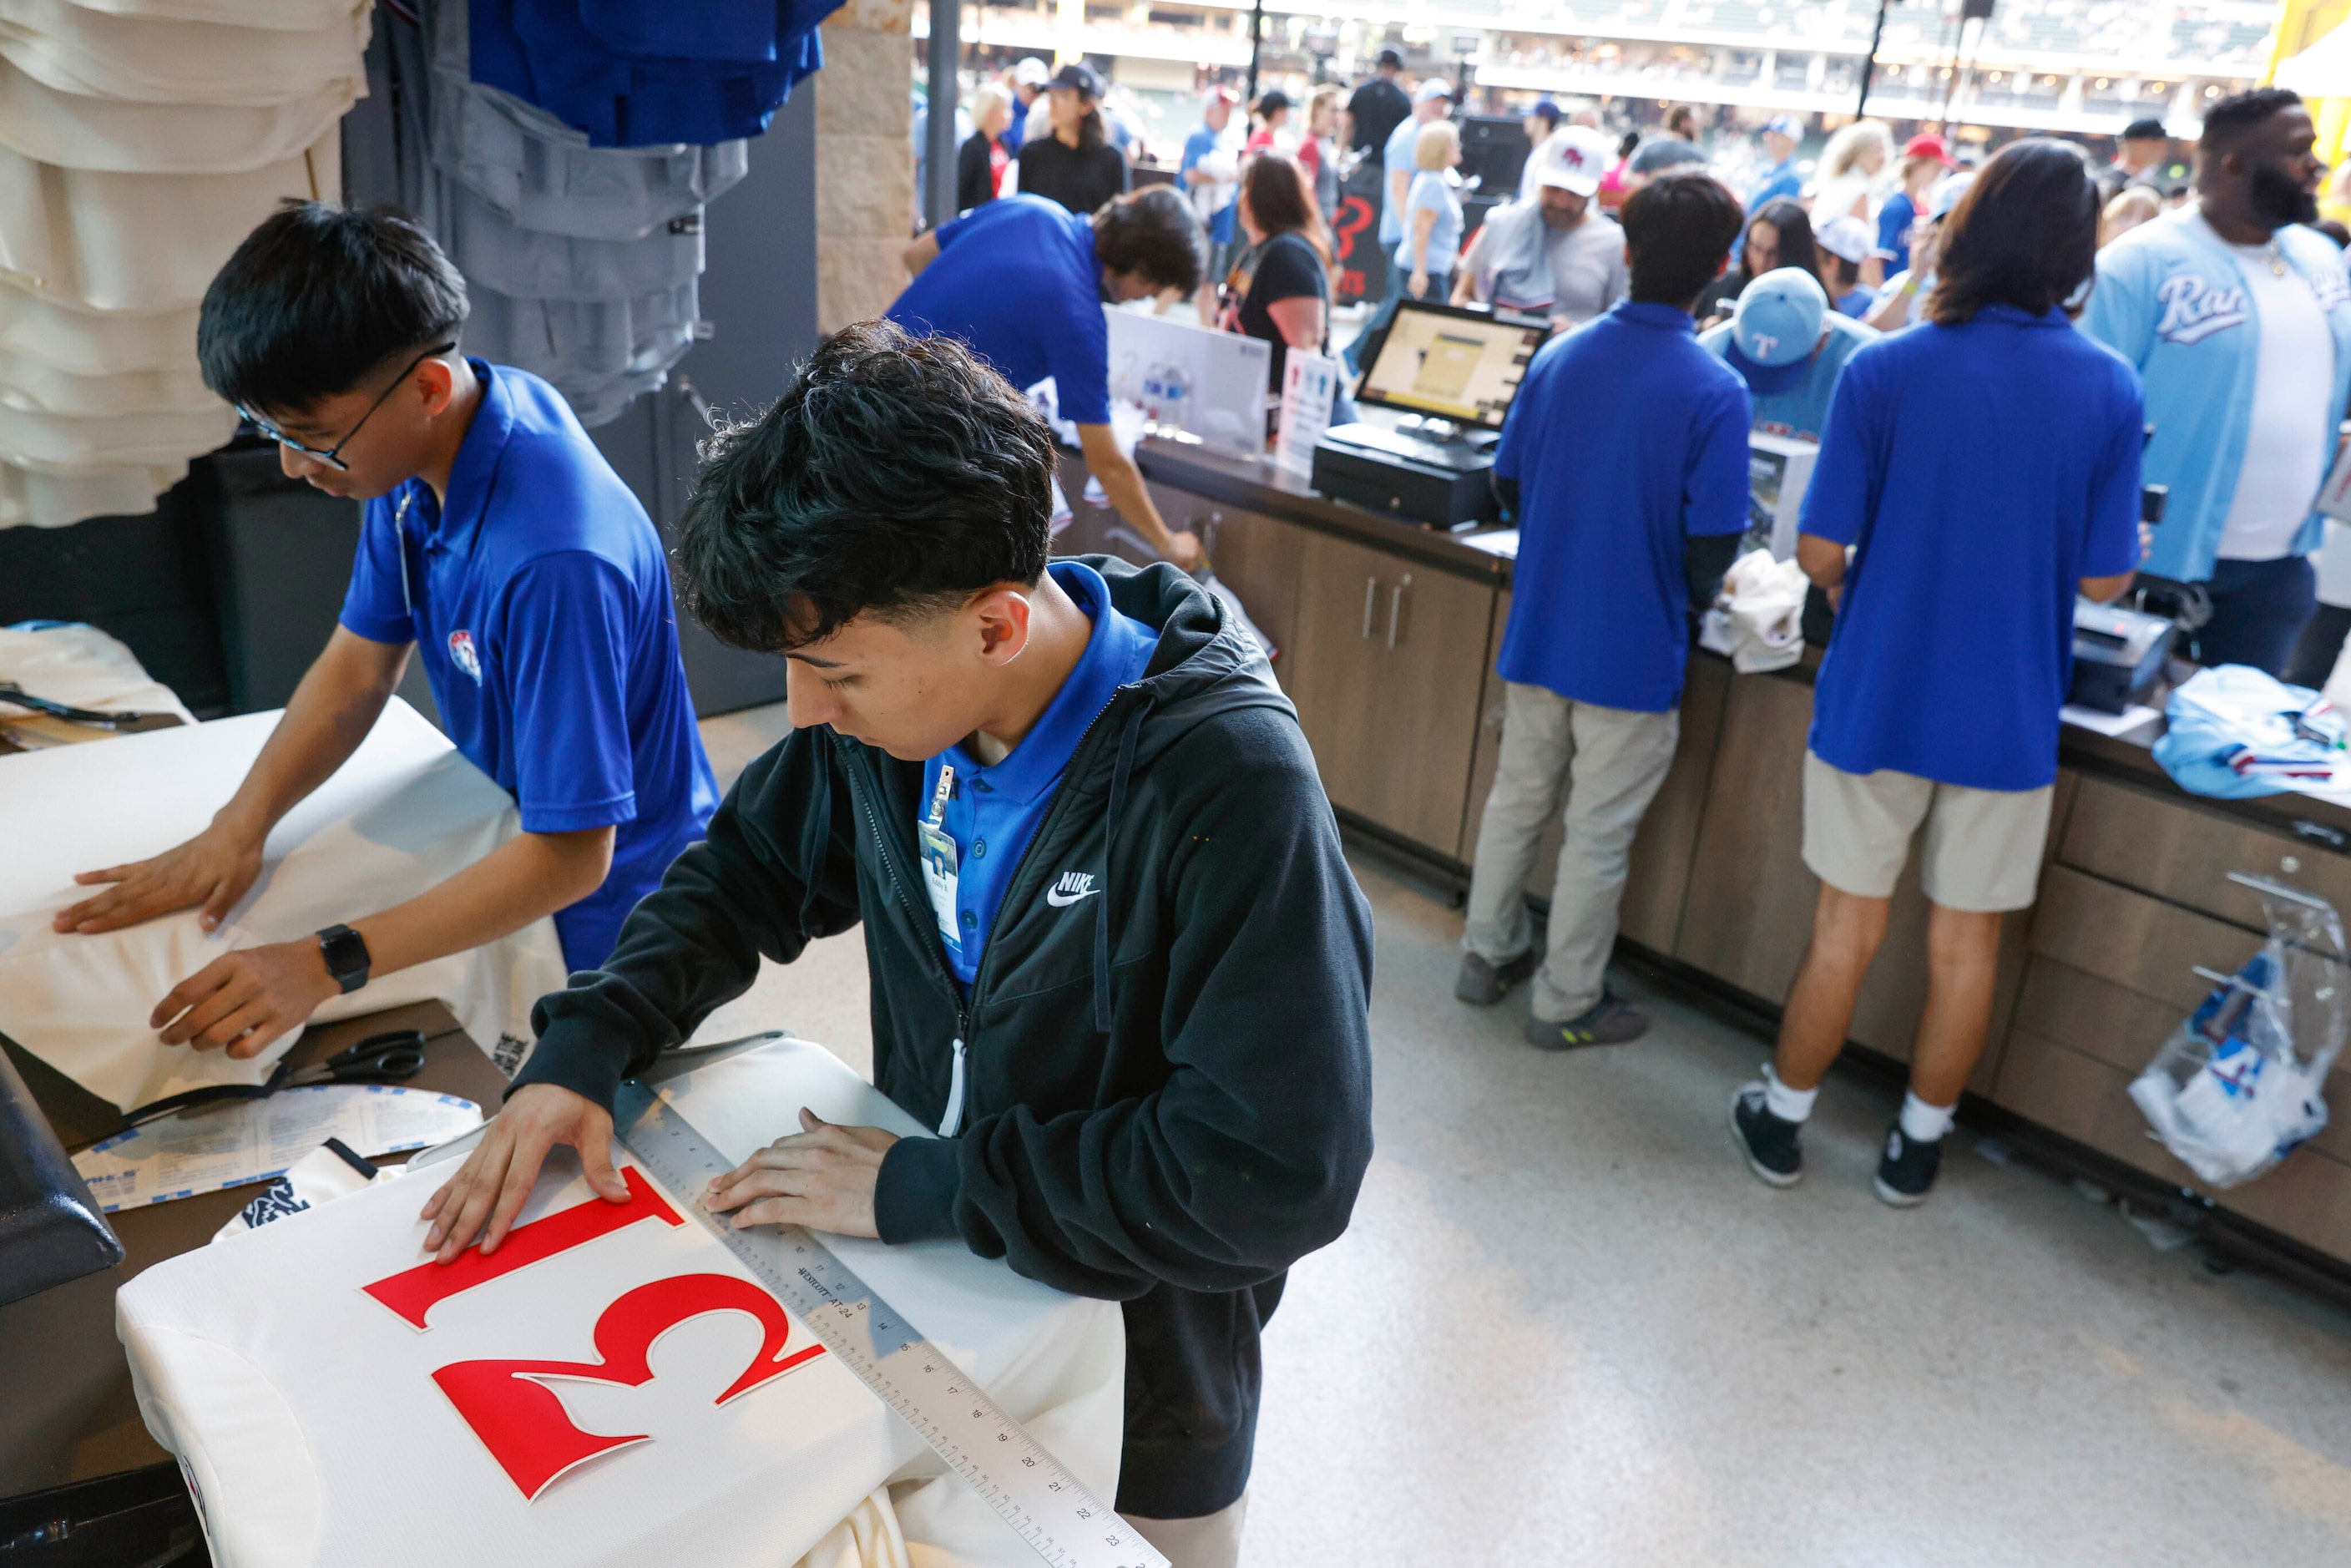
1370,596
1395,606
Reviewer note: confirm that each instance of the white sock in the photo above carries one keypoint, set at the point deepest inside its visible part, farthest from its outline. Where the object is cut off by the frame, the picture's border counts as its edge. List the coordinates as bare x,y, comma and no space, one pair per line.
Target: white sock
1788,1105
1922,1122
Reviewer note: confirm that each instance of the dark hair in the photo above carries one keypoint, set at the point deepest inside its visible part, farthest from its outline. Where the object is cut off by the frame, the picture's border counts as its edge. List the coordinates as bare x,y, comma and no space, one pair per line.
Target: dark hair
1678,229
317,297
1151,234
2146,130
2026,233
2227,120
1679,115
896,475
1282,202
1794,227
1626,142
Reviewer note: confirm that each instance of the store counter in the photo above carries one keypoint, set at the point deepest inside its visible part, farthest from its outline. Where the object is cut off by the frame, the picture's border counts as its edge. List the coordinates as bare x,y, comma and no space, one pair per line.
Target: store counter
1387,634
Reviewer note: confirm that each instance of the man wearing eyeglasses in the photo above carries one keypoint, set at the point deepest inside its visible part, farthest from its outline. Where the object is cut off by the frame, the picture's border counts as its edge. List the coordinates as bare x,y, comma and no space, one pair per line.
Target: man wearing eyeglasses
497,543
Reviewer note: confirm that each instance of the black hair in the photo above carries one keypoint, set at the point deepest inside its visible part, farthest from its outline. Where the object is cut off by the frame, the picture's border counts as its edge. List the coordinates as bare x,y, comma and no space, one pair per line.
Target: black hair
2026,233
1626,142
1794,227
896,475
316,297
2146,130
1679,228
2227,120
1151,234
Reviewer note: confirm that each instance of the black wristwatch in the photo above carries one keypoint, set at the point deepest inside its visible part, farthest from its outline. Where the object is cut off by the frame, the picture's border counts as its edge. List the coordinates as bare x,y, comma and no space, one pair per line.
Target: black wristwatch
346,953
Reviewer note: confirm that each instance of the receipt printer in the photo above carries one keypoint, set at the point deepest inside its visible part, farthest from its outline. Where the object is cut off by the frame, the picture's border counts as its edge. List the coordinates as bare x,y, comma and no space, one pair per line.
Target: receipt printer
2117,655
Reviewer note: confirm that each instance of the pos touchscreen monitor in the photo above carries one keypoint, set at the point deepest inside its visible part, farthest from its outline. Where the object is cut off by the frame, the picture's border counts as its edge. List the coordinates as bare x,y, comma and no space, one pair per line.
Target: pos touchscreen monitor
1449,362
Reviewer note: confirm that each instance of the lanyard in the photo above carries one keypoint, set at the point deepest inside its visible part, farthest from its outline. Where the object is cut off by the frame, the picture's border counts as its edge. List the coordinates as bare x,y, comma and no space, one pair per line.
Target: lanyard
400,537
939,796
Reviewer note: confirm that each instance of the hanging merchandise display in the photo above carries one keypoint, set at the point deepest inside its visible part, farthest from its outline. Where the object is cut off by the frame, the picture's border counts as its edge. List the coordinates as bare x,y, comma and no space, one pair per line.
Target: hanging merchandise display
139,141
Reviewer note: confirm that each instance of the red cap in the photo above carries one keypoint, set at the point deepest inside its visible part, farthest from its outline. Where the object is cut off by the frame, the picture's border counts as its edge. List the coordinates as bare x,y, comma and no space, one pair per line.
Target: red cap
1928,146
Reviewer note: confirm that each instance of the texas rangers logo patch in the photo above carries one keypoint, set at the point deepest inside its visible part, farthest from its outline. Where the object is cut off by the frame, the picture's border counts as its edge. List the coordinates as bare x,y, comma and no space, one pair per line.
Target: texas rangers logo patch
462,654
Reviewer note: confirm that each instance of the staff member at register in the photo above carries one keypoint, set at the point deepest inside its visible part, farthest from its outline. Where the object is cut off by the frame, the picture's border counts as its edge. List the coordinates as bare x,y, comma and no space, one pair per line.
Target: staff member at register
496,541
1624,459
1135,1001
1023,282
1983,467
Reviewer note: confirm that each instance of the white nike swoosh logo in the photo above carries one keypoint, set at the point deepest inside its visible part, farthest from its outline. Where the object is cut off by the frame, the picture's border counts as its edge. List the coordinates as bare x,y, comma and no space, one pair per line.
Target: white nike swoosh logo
1061,900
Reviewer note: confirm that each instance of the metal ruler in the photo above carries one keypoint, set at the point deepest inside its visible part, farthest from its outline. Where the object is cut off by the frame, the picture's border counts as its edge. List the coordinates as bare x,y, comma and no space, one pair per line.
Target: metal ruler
1029,1489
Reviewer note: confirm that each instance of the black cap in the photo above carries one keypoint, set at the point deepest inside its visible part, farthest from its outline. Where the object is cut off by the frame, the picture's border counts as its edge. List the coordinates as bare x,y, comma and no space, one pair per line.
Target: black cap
1390,58
1274,101
1080,76
2146,130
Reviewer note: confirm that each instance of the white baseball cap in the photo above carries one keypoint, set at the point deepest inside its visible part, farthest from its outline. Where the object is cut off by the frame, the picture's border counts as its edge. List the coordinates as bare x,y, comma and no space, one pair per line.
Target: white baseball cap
1847,238
1032,72
1573,158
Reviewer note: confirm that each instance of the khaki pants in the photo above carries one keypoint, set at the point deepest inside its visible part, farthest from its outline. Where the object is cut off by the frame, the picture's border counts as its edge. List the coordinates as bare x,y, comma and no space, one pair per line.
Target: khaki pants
1212,1540
1610,762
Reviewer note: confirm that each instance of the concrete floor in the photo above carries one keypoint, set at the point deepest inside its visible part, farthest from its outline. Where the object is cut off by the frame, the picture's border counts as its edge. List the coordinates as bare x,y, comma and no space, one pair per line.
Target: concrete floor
1567,1327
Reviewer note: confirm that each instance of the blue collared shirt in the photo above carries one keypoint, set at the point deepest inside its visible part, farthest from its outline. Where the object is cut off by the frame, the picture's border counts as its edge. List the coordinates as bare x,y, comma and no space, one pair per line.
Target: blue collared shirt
1017,280
1626,439
1780,179
993,812
539,601
1984,470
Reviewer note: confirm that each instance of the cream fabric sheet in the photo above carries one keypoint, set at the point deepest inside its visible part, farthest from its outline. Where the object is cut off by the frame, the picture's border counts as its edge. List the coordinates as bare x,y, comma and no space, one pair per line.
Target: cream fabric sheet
304,1412
83,666
92,443
405,812
145,59
118,137
58,500
85,342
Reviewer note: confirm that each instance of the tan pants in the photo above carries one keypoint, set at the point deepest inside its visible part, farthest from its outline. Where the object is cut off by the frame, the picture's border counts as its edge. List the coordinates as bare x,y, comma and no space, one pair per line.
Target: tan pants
1211,1540
1609,762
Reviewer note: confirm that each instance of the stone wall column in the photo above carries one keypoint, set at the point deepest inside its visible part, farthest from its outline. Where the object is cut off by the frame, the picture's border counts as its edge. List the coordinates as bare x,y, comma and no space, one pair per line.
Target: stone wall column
864,160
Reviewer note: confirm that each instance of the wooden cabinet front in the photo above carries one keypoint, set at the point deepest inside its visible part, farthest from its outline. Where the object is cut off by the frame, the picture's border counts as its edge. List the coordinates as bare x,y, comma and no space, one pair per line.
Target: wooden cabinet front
1384,662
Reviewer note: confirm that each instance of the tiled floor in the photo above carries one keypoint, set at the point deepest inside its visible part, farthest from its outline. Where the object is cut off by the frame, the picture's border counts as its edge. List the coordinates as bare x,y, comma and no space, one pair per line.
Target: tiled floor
1566,1327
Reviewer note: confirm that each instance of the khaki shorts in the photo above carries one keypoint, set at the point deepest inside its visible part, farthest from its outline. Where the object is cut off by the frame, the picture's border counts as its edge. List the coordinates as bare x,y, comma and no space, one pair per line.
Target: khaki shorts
1983,846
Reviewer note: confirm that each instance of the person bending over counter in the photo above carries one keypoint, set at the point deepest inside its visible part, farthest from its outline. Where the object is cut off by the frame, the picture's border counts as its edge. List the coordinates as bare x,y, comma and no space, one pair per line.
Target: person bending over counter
496,541
1625,458
1789,348
1135,1001
1979,470
1023,281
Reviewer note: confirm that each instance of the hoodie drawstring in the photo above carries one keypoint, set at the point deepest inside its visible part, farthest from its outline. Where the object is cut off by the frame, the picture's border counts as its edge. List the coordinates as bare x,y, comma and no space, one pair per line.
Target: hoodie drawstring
1120,773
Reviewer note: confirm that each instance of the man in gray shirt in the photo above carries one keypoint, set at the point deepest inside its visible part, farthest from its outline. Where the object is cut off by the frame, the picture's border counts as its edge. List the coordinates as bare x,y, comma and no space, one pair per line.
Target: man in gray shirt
1552,254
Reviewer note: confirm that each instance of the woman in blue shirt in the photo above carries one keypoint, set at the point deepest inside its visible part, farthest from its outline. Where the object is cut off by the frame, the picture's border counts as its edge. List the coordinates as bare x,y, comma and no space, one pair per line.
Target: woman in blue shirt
1983,467
1432,235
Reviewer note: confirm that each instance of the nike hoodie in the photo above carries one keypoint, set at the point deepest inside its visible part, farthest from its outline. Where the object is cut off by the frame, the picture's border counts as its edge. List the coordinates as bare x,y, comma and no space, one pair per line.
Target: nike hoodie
1165,1079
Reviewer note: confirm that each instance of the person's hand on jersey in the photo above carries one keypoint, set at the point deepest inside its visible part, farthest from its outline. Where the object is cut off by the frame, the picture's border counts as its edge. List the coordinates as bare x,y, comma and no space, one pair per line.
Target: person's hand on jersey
482,1198
242,1000
213,869
822,1177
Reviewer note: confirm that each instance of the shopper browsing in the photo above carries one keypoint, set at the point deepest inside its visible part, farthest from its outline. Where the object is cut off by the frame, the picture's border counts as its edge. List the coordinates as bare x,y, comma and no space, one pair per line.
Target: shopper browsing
1400,166
1779,235
1848,266
1376,108
1789,349
1318,153
1279,288
1432,242
1135,1001
1624,458
1556,255
495,543
1541,125
1023,281
1982,469
2239,319
1780,181
980,166
1076,164
1924,160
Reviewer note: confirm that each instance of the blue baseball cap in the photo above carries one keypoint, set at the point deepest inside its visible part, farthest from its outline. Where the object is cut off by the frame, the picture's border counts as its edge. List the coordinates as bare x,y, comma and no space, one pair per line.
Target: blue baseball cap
1775,328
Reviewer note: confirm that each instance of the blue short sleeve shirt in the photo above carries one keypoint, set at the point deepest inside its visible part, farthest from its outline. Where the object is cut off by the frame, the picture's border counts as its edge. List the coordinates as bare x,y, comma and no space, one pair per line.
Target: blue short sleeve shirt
992,813
1018,280
1984,469
539,601
1626,440
1795,405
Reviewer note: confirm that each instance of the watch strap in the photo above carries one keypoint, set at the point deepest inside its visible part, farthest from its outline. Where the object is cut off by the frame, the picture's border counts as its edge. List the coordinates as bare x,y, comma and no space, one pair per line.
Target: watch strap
345,953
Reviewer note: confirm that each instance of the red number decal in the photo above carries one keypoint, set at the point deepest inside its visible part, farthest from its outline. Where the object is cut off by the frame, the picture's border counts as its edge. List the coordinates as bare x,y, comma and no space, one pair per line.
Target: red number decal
523,1424
415,1291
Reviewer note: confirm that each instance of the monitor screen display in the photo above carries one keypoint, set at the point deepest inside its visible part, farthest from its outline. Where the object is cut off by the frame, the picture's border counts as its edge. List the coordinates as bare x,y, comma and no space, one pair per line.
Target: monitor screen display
1461,365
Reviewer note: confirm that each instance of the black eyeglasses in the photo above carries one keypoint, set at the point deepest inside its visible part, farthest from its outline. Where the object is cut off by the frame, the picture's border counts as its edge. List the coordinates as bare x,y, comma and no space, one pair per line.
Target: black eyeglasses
333,455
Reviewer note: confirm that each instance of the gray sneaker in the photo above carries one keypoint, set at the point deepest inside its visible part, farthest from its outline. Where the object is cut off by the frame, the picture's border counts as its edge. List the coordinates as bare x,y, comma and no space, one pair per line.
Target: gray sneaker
1609,1022
1481,984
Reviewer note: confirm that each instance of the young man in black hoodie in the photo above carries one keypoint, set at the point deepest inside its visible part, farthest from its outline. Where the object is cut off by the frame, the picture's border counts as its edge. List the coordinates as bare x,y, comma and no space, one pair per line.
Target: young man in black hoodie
1118,960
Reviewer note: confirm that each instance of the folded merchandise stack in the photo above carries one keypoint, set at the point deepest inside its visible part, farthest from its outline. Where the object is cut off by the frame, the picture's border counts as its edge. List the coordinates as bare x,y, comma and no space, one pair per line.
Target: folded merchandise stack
140,141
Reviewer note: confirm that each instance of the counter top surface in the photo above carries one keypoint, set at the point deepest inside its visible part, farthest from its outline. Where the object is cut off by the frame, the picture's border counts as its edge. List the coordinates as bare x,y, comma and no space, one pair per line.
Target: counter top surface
1260,486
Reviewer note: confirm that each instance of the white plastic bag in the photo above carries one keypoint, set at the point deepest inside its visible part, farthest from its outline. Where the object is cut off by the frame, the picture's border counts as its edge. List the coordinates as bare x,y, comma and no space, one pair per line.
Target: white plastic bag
2241,1082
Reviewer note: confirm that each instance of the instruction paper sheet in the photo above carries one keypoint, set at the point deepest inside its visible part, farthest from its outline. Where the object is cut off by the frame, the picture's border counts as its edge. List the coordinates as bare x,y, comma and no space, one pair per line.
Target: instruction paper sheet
255,1140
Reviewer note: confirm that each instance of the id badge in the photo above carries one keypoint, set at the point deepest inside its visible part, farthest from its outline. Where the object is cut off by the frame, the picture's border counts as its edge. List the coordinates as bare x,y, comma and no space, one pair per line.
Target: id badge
939,878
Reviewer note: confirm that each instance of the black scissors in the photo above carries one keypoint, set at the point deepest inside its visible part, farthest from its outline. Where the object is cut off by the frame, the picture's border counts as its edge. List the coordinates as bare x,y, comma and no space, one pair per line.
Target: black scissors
392,1057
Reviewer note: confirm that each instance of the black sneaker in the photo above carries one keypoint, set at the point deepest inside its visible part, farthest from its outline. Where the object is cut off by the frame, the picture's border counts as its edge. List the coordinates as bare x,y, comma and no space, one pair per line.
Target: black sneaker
1606,1022
1906,1172
1481,984
1773,1145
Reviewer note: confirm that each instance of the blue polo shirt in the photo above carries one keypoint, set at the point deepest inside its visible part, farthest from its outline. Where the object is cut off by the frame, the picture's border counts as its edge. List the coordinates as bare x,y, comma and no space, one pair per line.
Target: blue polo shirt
1017,279
539,601
1984,469
1626,440
1894,221
1780,179
993,812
